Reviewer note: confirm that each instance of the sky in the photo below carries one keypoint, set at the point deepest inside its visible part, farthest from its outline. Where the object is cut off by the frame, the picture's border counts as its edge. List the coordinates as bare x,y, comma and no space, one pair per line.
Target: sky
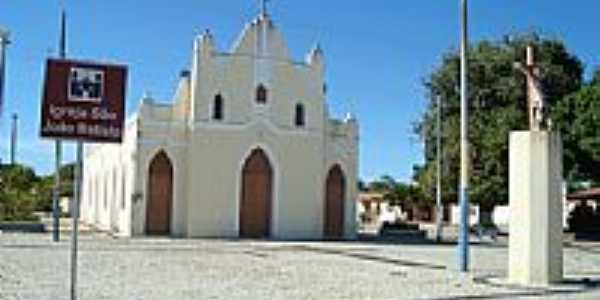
378,54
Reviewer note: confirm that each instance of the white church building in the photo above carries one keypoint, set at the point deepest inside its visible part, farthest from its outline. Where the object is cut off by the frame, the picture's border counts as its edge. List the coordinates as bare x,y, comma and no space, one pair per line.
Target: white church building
246,149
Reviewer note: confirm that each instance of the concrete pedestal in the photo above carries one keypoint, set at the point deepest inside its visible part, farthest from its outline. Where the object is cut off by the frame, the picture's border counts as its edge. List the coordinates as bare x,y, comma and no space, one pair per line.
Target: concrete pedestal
535,241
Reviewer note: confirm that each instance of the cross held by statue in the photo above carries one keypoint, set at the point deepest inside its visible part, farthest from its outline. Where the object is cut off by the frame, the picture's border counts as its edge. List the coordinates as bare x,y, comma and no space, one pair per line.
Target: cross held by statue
530,57
535,93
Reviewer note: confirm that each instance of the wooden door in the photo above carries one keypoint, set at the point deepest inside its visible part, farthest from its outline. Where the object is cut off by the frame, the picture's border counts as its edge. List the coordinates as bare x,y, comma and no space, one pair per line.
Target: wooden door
160,196
335,193
256,196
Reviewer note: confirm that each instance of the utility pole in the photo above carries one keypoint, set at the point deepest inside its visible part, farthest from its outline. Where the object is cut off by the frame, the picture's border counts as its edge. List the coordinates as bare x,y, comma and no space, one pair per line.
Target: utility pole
439,214
4,41
62,53
13,140
463,239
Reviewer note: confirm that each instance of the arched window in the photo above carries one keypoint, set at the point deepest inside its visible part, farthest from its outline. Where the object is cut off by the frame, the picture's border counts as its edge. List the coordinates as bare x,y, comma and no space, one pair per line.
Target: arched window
261,94
218,108
299,119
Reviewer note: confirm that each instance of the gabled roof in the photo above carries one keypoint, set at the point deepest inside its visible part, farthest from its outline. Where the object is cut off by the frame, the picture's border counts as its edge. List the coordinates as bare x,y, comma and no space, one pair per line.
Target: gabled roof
261,38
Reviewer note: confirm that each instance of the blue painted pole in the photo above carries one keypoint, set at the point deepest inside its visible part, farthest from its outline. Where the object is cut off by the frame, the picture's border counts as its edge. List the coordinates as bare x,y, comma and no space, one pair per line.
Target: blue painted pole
463,238
439,213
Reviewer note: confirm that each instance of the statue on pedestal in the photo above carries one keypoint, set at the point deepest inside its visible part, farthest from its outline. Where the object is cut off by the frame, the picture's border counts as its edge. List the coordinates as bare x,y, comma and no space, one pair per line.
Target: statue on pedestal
535,254
535,96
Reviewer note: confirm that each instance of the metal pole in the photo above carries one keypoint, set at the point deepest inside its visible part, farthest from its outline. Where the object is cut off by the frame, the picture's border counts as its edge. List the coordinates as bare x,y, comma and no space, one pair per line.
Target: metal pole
62,52
13,140
438,199
75,213
463,240
4,41
78,174
56,192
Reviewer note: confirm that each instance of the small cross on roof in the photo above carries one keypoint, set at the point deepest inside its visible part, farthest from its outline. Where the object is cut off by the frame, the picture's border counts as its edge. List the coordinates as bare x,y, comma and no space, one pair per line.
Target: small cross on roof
263,7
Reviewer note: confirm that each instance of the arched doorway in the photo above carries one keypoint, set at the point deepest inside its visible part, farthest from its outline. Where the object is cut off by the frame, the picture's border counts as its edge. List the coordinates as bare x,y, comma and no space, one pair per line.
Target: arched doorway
335,193
256,196
160,195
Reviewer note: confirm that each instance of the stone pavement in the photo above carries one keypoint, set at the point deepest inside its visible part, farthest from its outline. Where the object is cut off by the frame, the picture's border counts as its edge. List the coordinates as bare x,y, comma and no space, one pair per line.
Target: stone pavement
31,267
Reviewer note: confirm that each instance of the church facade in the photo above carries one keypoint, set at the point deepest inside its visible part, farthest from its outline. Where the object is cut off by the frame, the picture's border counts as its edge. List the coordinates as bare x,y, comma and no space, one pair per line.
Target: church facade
246,149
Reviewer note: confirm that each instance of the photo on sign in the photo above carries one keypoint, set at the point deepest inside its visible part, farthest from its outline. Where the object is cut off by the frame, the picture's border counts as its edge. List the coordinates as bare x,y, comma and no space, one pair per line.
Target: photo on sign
86,85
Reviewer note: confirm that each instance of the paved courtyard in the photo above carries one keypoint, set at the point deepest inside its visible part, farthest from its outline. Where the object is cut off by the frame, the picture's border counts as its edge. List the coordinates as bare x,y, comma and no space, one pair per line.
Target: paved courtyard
31,267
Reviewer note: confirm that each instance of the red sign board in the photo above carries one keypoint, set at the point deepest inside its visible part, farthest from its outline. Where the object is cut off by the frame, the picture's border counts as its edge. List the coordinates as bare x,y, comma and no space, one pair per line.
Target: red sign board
83,101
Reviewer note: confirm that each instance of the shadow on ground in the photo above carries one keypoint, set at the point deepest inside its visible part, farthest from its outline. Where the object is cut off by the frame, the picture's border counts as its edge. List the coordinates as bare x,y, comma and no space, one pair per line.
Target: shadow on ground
361,256
568,287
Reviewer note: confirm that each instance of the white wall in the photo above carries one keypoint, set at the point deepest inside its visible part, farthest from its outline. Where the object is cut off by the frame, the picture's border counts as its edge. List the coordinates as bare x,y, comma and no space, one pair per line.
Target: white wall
107,179
501,215
455,214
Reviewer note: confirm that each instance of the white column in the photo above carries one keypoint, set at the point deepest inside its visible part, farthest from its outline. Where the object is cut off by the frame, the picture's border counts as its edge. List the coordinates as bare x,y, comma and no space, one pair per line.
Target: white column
535,244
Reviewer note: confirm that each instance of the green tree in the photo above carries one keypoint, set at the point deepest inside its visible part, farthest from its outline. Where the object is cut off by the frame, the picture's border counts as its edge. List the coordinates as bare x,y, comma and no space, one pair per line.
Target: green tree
577,116
497,104
395,192
45,187
18,193
67,177
22,191
362,186
384,184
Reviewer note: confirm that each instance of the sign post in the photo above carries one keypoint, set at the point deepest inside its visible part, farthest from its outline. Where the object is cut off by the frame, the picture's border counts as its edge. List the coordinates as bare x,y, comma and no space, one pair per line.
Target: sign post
82,101
57,144
75,210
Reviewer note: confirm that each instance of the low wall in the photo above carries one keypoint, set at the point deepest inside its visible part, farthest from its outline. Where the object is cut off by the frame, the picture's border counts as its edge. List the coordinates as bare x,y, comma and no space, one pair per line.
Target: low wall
23,227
